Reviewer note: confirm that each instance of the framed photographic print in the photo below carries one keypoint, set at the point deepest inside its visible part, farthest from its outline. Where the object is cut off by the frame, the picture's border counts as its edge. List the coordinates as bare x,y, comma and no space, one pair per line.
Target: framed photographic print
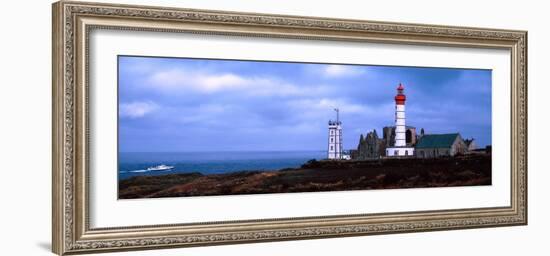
179,127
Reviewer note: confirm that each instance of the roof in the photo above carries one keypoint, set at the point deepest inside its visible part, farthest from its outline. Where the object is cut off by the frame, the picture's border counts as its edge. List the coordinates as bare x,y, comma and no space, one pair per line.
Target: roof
437,140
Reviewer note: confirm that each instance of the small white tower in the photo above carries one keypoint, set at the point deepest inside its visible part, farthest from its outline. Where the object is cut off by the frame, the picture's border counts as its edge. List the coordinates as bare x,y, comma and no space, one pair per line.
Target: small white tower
400,147
335,137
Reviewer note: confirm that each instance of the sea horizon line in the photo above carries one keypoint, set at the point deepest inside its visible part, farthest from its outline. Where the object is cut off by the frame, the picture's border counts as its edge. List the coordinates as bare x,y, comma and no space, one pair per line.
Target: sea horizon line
229,151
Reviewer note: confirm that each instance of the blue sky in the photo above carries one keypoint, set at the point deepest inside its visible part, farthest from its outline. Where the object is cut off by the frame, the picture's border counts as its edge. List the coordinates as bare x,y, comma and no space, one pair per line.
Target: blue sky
179,104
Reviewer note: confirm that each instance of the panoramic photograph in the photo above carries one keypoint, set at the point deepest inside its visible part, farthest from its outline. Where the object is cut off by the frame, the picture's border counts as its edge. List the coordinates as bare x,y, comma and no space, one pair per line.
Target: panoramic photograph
213,127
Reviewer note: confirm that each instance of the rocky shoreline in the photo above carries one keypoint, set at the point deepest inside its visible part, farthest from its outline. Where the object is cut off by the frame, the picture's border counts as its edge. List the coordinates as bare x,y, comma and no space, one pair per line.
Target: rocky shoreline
313,176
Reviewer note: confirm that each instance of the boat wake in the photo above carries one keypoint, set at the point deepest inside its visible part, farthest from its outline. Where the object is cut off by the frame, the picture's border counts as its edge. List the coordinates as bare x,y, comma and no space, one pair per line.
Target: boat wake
134,171
139,171
157,168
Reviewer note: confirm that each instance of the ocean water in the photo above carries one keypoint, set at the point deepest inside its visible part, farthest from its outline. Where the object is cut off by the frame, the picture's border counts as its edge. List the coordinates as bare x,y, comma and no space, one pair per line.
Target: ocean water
132,164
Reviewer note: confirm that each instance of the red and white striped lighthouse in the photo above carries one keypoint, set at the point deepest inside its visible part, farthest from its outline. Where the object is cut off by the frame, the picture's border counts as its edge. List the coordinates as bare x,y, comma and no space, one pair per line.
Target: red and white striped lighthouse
400,146
400,126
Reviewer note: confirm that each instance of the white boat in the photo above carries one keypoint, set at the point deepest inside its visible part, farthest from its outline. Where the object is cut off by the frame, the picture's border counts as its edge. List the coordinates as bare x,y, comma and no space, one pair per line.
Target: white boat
161,167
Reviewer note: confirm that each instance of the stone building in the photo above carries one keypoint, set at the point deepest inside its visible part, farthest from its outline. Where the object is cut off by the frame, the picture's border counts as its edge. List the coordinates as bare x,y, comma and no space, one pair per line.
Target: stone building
388,135
369,147
440,145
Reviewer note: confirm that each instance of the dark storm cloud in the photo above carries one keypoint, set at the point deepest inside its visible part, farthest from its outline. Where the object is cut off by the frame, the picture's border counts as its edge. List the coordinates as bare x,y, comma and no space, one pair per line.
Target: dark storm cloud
169,104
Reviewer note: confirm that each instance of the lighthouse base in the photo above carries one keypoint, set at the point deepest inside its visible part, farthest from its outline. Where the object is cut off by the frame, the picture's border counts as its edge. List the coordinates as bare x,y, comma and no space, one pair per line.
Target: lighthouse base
399,152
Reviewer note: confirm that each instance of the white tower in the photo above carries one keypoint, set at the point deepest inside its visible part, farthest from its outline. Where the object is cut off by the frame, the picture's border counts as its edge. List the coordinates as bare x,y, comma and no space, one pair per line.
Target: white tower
400,147
335,137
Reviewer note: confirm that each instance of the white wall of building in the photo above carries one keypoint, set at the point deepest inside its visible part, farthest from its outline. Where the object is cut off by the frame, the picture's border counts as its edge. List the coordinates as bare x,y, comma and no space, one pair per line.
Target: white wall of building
335,141
400,151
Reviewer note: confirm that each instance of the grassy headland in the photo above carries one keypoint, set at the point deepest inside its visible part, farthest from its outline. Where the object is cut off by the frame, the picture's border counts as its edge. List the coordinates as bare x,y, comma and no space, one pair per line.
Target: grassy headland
313,176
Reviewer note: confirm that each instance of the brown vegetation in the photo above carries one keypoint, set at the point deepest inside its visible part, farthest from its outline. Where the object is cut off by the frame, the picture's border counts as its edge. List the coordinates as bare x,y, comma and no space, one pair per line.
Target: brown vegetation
319,176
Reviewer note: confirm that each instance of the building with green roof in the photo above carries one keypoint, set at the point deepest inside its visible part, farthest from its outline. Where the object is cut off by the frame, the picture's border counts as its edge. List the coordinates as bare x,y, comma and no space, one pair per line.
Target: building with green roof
438,145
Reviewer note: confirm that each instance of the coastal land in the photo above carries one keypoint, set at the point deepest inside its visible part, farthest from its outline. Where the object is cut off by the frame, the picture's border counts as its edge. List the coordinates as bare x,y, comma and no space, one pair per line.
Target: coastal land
315,176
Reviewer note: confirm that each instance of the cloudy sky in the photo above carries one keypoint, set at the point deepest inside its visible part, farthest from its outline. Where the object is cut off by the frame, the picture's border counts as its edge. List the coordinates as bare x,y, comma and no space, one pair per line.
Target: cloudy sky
178,104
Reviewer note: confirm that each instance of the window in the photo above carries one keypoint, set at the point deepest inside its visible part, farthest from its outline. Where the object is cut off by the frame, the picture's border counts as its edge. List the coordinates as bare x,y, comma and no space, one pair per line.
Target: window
422,154
406,152
331,139
331,132
331,147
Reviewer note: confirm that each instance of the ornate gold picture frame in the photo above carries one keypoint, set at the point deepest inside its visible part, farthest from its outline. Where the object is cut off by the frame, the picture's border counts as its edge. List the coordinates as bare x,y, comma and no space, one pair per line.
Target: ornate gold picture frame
72,25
